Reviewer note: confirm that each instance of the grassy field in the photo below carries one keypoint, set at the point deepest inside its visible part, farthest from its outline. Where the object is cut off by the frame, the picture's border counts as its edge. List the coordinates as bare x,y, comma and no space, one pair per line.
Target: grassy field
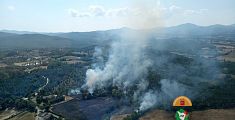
7,113
119,117
24,116
211,114
230,58
3,65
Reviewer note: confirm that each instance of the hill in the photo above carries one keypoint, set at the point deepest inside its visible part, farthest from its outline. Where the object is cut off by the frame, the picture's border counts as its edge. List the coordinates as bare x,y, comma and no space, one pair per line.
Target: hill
9,39
5,34
189,29
34,41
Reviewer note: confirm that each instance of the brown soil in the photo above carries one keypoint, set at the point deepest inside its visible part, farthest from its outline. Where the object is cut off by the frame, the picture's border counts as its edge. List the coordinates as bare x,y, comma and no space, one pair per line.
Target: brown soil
212,114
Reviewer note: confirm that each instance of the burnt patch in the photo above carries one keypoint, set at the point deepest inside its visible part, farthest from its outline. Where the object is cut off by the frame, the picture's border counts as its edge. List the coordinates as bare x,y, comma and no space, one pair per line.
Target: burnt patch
92,109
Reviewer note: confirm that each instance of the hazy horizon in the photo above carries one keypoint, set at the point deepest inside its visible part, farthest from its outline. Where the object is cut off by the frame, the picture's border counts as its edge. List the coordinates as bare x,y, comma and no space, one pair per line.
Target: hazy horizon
84,16
9,30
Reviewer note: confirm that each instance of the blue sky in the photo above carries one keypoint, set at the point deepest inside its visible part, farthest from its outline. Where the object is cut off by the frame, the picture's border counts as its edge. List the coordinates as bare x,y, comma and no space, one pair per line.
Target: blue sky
89,15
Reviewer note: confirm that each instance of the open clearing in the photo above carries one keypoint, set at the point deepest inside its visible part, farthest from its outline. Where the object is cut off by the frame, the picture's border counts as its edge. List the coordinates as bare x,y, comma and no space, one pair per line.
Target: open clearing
8,113
24,116
211,114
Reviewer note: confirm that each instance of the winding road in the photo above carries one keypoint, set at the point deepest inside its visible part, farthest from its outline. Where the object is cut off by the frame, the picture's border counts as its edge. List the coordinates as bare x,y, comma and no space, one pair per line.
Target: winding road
37,107
45,84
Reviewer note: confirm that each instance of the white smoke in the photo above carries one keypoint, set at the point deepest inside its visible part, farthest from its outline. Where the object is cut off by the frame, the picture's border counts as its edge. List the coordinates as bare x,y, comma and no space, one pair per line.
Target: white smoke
127,64
148,101
170,89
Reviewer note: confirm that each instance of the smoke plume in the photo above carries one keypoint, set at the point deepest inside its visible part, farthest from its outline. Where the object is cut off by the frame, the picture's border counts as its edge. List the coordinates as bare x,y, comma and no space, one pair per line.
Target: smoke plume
128,64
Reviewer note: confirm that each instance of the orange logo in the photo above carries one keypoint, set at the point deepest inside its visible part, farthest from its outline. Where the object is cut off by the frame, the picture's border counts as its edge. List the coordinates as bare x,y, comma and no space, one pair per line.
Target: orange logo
182,101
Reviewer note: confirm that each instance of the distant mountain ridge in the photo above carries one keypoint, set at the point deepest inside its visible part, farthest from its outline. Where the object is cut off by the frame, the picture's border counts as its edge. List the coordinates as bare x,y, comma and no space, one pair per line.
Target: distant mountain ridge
18,32
181,26
25,39
4,34
192,29
33,41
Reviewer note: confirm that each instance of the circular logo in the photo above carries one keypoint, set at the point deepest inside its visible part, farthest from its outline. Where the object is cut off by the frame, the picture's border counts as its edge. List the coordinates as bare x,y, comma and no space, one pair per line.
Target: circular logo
182,101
